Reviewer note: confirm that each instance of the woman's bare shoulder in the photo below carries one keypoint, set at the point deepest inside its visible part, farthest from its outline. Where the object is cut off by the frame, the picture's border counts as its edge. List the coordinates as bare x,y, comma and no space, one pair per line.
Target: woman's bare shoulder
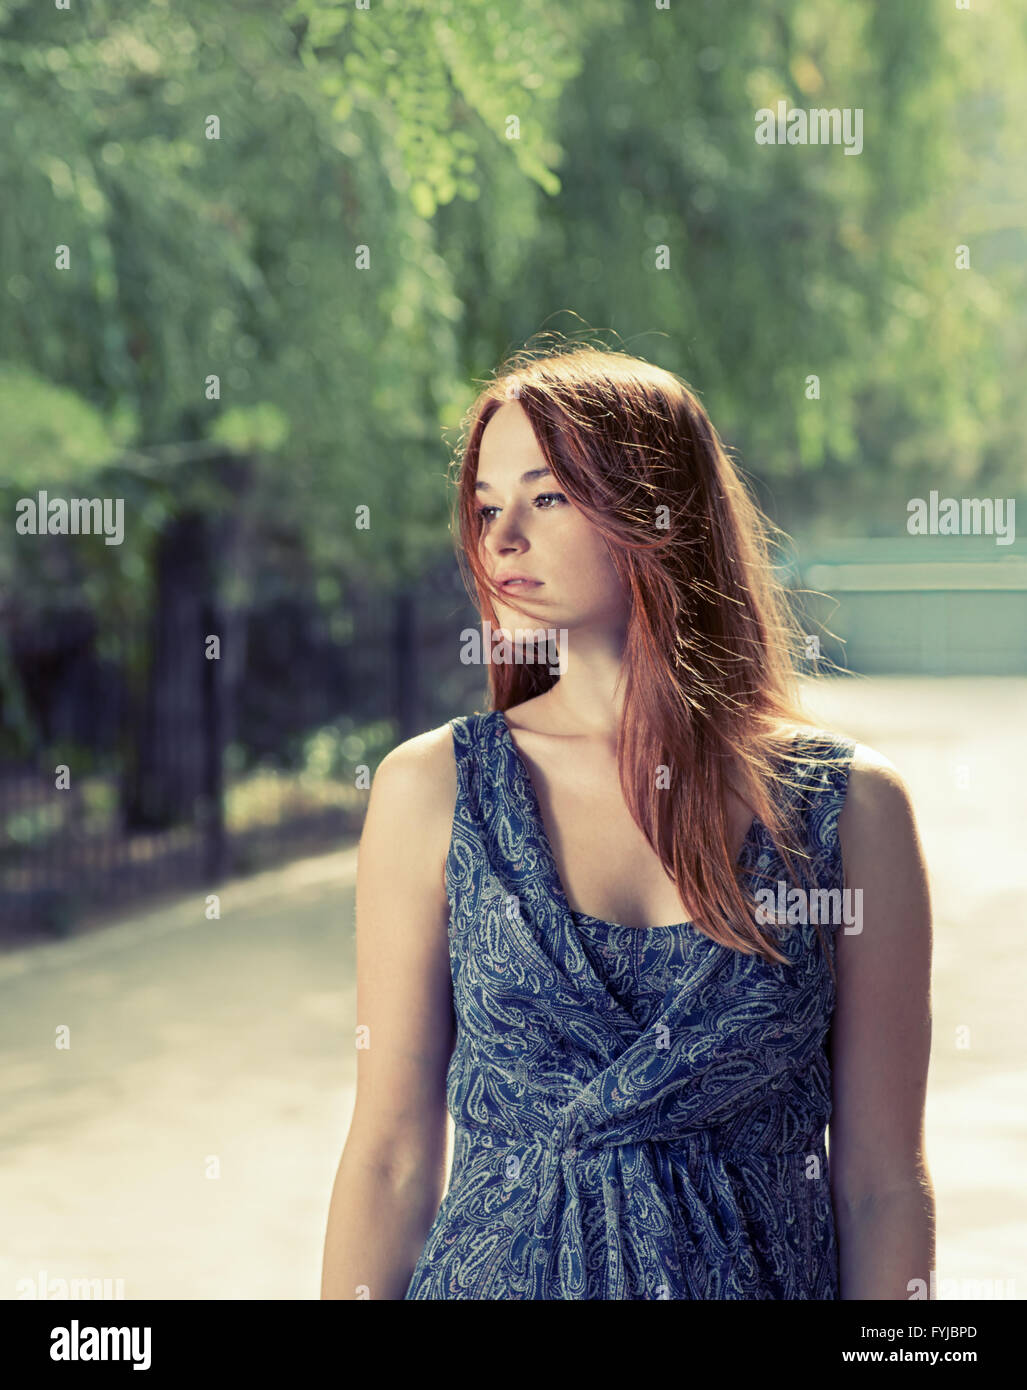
413,800
877,800
422,769
877,824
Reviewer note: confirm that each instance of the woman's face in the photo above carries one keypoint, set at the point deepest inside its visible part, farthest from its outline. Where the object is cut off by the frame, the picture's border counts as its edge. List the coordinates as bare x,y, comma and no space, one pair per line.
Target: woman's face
533,529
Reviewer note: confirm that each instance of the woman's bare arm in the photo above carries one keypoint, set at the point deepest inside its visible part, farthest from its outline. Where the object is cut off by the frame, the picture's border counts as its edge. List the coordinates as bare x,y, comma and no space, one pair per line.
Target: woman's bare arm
880,1045
391,1175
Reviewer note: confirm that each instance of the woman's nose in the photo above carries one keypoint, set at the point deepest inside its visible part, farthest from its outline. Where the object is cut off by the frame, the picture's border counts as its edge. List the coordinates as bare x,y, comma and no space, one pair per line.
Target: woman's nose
506,535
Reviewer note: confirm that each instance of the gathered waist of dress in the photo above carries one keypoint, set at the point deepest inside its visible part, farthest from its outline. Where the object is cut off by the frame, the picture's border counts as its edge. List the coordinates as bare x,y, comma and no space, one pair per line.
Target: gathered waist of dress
698,1142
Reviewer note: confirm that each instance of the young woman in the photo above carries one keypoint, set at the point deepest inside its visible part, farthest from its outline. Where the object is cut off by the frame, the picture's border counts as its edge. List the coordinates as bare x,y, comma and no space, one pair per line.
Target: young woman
641,926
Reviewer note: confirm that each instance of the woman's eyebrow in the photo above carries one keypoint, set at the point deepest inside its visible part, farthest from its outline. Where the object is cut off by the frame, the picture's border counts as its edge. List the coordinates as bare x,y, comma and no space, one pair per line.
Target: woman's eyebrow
528,477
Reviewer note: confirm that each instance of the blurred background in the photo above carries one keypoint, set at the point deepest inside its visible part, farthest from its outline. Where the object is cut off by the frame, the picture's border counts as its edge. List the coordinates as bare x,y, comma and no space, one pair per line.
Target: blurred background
254,263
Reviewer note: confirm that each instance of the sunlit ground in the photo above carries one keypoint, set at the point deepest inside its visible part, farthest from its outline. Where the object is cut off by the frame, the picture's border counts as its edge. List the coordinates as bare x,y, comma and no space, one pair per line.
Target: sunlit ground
962,747
187,1141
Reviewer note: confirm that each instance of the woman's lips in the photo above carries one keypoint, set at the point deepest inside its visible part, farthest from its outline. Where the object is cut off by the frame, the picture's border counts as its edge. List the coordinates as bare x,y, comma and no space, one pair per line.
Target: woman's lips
521,584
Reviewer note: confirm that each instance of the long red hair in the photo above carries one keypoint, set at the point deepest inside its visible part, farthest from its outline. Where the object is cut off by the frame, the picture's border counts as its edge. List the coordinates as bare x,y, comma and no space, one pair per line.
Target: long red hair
711,645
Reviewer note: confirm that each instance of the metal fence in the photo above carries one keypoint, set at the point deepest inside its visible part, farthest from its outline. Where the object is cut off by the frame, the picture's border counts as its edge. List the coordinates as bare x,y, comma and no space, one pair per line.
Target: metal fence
73,845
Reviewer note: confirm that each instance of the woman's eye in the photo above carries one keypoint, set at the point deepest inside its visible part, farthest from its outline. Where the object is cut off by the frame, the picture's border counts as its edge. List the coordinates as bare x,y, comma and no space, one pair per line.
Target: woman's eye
542,497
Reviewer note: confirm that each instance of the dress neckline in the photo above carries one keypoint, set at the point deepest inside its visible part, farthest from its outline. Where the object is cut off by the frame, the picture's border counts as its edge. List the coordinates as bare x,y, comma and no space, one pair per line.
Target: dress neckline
530,797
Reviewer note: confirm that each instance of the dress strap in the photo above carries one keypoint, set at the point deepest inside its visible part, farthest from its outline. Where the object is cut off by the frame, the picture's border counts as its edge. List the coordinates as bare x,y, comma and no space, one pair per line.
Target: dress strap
472,752
467,736
814,790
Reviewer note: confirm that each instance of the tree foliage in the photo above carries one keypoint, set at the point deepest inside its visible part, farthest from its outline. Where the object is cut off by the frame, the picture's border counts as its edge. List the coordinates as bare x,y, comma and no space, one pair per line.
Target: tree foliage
401,192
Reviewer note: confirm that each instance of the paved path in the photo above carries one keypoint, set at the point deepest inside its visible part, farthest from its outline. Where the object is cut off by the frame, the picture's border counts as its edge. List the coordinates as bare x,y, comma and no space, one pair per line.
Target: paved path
961,744
202,1047
193,1042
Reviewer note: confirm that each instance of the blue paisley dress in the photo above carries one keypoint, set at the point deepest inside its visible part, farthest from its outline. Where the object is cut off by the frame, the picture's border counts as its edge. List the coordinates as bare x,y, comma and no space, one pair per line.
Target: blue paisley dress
639,1113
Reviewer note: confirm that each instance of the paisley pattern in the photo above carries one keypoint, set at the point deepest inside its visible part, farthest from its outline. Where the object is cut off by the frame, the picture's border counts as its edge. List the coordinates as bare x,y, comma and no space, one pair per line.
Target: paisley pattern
639,1112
